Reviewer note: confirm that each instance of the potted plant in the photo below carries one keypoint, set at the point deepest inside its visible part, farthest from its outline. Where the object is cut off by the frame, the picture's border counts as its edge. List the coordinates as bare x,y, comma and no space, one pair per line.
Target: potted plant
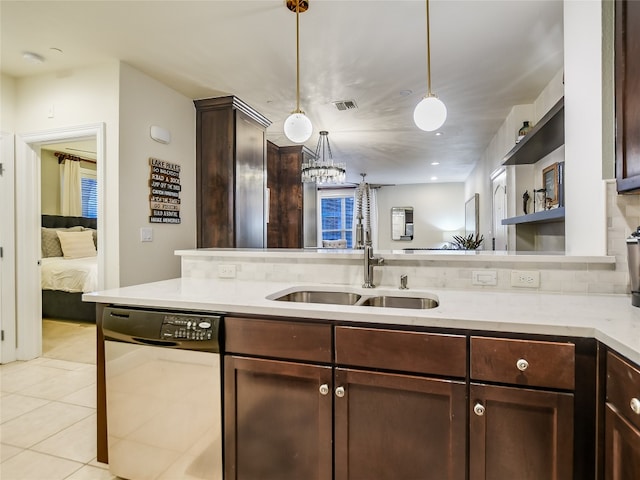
470,242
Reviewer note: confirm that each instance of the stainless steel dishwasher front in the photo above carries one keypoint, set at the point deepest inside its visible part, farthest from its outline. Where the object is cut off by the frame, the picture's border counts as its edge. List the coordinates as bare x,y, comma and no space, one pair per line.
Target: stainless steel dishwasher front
163,371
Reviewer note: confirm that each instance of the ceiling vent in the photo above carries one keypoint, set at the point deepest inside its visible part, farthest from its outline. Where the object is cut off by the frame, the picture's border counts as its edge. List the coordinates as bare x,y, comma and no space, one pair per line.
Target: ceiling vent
345,105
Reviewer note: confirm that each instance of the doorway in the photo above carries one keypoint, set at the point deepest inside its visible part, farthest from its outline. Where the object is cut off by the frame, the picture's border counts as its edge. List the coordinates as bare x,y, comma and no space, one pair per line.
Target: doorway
28,335
499,210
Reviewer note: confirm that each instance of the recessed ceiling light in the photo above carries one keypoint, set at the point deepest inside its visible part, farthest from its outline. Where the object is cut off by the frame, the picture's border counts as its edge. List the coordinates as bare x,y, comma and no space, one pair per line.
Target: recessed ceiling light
438,134
56,49
405,93
435,163
33,58
434,178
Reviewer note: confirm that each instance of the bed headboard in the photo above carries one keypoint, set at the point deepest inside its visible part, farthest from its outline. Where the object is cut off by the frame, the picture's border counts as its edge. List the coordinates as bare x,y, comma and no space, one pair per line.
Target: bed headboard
58,221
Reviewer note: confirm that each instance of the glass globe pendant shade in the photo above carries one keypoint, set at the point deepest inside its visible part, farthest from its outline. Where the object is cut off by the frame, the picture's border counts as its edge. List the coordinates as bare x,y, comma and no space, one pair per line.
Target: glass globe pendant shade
430,113
298,128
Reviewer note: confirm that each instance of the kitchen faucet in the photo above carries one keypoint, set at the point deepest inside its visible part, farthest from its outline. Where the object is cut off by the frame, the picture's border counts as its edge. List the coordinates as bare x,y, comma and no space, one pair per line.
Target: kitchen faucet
369,262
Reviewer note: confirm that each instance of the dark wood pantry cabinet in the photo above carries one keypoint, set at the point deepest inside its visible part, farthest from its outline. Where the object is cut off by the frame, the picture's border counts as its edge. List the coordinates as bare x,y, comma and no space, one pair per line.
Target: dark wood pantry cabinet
230,174
287,195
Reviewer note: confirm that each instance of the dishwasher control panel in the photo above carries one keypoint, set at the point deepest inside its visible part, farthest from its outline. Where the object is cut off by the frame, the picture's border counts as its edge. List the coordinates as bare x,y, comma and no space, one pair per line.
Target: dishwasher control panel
186,327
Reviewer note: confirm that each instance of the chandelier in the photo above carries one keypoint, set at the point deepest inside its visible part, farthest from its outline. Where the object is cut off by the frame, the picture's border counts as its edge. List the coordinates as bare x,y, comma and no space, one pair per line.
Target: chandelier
322,169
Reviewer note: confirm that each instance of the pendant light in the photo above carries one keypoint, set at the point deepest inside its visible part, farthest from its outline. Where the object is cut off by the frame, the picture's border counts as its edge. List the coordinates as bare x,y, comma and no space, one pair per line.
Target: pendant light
430,113
297,126
321,170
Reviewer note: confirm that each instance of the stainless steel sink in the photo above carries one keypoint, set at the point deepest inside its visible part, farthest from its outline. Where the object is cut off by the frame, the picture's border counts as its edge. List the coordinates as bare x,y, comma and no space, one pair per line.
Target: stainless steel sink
311,296
399,302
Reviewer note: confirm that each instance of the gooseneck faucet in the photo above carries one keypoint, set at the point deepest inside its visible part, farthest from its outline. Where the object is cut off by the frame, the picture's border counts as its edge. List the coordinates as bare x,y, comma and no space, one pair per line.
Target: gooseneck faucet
369,262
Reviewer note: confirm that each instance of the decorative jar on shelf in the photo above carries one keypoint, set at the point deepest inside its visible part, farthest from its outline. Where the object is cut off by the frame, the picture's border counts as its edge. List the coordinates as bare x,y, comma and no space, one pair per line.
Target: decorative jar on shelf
523,131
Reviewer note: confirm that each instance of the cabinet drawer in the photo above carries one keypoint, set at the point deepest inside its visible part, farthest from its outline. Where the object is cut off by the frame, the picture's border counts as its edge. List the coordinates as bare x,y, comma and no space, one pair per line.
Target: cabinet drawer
415,352
523,362
278,339
623,386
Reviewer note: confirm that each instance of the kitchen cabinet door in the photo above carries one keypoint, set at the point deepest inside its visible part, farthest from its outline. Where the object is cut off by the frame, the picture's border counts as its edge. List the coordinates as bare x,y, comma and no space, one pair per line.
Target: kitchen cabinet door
627,54
622,447
517,433
391,427
278,420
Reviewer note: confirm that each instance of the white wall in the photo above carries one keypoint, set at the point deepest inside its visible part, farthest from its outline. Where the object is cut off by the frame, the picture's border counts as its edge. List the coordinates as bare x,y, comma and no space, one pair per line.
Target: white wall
8,103
585,222
80,97
145,102
438,213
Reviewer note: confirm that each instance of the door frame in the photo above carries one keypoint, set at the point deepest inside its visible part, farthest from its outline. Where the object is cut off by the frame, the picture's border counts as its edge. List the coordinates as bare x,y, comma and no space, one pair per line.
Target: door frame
499,178
28,334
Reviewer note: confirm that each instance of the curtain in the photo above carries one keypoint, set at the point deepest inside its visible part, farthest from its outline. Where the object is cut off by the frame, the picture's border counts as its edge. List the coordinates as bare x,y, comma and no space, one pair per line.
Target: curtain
70,189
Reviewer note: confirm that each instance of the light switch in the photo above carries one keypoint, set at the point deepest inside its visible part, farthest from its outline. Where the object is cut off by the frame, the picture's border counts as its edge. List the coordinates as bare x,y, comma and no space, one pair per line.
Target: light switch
146,234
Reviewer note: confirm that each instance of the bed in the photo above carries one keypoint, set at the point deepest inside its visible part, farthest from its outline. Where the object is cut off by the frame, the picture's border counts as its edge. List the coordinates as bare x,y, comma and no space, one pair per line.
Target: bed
67,274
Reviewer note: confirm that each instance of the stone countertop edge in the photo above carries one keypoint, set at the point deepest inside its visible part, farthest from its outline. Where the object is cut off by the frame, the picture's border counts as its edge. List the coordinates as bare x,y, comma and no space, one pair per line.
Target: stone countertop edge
400,255
610,319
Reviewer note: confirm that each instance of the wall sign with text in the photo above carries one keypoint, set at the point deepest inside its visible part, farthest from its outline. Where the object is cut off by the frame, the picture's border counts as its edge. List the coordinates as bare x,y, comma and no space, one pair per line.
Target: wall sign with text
164,191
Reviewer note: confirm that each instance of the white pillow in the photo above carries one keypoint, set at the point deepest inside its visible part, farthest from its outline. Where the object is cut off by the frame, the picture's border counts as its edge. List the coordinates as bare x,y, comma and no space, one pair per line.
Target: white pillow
77,244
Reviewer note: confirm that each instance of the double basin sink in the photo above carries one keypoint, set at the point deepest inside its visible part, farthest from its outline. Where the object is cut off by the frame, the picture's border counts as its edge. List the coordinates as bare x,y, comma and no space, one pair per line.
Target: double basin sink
335,297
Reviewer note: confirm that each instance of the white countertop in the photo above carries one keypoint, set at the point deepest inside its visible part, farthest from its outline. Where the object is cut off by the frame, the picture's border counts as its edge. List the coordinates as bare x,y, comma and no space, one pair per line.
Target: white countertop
609,318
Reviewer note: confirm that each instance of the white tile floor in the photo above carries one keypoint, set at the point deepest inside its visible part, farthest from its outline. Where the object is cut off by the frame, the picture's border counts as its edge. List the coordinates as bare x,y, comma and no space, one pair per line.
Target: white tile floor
47,409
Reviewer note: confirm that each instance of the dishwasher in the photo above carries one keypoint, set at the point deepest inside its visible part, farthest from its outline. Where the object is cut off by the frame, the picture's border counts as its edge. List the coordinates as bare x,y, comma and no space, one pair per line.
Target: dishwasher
164,415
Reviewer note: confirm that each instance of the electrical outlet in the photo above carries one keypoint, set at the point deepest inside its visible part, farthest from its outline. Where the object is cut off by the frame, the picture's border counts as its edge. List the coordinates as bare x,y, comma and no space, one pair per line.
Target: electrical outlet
226,271
525,278
484,277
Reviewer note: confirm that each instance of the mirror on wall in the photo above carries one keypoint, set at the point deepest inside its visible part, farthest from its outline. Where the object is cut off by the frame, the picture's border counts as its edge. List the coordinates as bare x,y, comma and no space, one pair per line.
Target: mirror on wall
402,223
471,222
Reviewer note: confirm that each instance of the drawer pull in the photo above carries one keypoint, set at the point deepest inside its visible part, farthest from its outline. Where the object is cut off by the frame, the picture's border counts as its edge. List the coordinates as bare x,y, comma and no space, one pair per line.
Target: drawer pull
478,409
324,389
340,392
635,405
522,364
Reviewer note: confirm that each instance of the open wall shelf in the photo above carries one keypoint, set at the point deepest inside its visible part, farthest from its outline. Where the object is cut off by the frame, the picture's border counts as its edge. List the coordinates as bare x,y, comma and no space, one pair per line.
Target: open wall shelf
544,138
543,216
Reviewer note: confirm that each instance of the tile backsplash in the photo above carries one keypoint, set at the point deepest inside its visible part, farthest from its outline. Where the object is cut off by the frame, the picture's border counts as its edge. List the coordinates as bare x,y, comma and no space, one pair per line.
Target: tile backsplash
623,217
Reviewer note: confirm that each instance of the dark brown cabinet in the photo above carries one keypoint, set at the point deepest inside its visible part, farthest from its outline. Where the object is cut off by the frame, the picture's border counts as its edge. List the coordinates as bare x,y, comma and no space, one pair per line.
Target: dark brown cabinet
395,424
622,420
230,174
278,425
517,431
283,403
285,228
278,410
520,433
392,426
627,104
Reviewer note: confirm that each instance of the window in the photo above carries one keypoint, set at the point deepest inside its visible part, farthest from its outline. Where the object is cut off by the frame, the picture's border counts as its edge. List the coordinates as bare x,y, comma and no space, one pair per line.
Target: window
336,216
89,184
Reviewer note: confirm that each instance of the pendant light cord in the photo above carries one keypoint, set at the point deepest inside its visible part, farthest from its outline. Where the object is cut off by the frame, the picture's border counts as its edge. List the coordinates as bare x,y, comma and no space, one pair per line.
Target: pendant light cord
298,56
429,94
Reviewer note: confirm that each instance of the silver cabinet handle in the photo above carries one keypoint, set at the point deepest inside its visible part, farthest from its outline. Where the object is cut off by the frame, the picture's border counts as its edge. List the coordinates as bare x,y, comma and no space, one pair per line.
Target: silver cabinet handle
324,389
635,405
340,392
478,409
522,364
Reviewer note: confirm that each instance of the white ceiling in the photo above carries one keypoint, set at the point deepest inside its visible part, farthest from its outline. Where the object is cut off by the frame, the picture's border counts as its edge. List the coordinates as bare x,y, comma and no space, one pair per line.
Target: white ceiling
486,55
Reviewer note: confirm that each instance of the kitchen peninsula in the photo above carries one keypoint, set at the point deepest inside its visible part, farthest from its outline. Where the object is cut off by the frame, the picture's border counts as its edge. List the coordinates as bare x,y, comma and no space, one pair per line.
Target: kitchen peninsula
448,359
